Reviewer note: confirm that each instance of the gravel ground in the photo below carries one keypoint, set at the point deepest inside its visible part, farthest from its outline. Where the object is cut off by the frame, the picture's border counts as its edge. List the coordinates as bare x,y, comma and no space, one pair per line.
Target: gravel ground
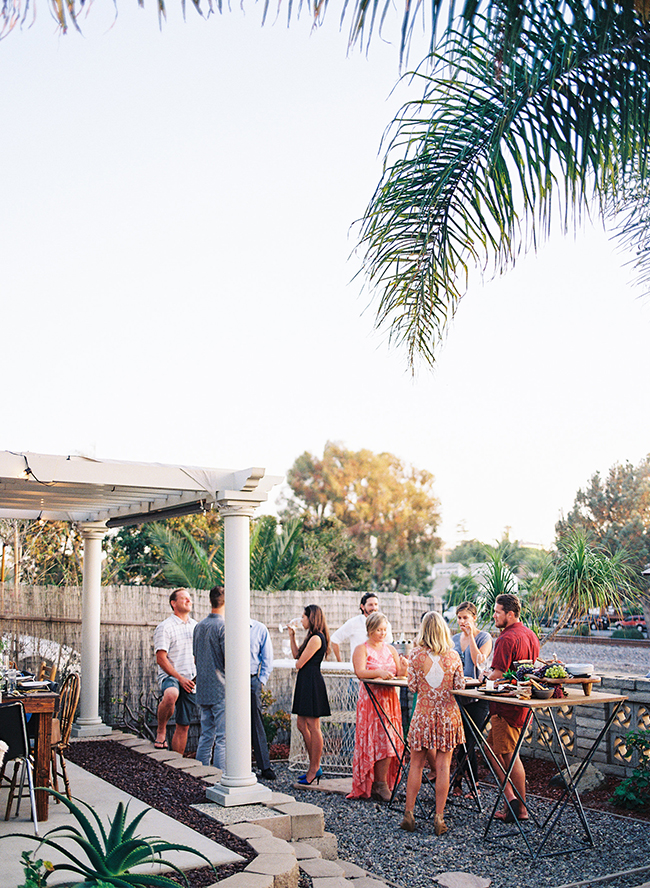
368,832
369,835
629,660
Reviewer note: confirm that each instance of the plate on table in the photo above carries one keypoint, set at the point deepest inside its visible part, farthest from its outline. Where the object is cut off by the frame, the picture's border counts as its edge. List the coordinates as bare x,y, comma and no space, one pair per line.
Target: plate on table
580,670
31,685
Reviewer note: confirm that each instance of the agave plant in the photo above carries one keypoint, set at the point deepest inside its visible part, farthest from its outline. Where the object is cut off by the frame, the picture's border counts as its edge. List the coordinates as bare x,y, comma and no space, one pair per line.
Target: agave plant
111,856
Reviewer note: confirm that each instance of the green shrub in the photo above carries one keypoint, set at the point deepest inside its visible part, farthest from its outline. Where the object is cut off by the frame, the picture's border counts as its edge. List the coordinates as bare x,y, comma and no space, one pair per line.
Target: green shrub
634,791
627,632
273,721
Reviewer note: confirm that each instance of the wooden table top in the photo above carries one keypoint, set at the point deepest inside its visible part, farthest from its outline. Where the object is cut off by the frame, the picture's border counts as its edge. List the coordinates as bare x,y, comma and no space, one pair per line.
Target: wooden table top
574,697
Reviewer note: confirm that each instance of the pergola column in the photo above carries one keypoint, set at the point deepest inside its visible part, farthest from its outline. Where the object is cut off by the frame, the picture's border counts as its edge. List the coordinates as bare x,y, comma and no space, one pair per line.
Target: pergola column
88,722
239,784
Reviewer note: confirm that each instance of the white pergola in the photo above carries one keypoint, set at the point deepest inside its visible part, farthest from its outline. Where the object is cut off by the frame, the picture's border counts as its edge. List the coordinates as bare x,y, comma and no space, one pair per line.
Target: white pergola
100,494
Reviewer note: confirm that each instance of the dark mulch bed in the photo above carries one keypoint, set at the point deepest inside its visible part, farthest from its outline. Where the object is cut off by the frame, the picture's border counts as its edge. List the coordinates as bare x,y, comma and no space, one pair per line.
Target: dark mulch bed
538,776
166,789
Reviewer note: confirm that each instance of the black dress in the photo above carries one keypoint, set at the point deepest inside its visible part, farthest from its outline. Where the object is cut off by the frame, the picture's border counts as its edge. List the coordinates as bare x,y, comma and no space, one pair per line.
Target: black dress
310,695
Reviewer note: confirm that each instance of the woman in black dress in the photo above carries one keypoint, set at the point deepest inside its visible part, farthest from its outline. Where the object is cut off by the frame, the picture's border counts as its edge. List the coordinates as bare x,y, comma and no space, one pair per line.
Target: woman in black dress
310,696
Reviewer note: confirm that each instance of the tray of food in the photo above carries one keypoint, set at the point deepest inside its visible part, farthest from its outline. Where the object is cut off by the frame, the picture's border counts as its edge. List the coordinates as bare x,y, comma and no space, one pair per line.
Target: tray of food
552,674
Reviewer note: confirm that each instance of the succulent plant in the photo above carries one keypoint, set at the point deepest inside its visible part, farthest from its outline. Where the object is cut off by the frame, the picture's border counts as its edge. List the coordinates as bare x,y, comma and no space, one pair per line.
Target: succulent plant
111,855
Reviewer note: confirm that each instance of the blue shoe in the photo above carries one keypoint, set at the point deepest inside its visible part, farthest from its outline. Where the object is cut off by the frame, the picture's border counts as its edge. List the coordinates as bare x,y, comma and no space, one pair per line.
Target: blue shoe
317,776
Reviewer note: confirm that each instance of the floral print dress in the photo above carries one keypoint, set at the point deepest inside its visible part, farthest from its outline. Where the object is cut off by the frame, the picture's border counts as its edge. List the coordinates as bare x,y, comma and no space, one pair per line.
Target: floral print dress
436,722
372,743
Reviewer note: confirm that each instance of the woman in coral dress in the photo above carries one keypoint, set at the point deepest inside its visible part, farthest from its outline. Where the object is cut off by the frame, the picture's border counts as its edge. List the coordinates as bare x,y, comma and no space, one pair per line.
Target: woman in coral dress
375,765
434,670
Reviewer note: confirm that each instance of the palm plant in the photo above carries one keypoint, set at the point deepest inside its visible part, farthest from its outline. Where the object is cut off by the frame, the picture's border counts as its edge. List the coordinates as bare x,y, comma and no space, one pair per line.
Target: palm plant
530,111
110,855
534,108
273,560
498,580
583,575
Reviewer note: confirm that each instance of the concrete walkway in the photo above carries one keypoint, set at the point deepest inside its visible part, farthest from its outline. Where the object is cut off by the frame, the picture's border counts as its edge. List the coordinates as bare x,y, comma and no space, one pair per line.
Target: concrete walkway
104,799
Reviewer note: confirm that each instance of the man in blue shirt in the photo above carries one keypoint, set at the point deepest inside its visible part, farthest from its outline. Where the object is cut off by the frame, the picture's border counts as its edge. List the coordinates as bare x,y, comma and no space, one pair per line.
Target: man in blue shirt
261,664
209,655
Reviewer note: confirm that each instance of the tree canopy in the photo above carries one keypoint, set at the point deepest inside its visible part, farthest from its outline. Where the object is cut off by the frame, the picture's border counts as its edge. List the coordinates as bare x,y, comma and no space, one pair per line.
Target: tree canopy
616,512
389,508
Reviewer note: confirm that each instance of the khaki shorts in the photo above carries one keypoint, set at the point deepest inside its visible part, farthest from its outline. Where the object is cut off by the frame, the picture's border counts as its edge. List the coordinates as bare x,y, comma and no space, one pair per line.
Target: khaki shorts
502,737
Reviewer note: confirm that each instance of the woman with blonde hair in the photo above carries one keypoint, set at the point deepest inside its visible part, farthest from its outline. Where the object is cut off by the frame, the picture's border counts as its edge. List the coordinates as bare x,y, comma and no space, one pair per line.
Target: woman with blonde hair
374,765
434,670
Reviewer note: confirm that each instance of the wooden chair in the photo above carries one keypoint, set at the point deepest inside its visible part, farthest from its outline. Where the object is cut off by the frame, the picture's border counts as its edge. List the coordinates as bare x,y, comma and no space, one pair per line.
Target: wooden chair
68,702
47,672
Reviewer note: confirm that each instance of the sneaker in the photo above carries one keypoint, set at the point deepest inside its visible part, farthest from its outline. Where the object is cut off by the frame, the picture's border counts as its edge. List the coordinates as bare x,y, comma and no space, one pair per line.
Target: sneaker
268,774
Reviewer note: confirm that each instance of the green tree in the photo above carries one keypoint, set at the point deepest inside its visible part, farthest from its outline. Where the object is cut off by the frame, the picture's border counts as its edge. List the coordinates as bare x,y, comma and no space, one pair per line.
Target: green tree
49,552
468,552
132,557
498,579
583,575
616,513
525,561
389,508
462,589
330,558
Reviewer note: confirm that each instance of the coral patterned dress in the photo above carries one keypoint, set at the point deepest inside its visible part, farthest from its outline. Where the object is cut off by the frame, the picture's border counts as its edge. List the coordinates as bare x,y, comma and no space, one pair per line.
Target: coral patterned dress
437,722
371,741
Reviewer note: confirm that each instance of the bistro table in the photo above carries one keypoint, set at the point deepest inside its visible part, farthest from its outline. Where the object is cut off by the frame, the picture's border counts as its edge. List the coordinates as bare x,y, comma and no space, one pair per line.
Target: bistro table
533,708
391,731
42,706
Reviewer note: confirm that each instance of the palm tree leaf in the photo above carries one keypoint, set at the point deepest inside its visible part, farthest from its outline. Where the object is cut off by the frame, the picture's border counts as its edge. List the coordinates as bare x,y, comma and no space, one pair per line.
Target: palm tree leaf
186,562
472,168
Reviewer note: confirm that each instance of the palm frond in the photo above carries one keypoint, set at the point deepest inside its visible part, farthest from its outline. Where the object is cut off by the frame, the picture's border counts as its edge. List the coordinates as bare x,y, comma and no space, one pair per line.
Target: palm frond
275,556
502,139
583,575
187,563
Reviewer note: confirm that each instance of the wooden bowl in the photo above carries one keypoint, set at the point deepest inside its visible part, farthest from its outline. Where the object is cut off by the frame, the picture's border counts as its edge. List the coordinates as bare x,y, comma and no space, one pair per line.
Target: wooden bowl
543,693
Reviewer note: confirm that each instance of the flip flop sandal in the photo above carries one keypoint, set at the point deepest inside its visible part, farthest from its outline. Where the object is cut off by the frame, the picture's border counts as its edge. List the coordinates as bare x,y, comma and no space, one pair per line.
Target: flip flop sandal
505,815
160,744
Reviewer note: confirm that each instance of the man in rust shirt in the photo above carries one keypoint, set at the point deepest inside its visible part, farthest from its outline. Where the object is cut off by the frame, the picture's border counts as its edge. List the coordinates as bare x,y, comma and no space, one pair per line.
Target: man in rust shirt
516,642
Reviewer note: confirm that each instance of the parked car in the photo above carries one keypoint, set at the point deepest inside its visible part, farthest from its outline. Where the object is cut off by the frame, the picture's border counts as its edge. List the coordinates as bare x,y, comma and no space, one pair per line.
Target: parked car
636,621
450,614
598,622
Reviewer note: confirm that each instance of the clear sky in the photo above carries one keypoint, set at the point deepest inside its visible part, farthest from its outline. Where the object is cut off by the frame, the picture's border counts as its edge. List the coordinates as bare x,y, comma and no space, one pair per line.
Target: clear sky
176,280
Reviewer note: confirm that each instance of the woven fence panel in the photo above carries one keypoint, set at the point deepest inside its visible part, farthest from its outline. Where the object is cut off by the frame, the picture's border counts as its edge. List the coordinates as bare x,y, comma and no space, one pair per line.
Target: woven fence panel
44,623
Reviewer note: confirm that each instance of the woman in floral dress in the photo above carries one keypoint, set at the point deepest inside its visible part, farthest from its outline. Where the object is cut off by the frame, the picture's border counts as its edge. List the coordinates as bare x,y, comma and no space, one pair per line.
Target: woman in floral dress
375,765
434,670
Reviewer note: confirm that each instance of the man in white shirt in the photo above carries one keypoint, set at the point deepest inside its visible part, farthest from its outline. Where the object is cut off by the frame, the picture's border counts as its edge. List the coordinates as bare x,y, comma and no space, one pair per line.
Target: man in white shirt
172,642
354,630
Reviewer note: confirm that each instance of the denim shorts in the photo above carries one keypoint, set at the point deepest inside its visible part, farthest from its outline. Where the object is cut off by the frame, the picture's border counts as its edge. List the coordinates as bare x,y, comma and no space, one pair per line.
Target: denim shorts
186,703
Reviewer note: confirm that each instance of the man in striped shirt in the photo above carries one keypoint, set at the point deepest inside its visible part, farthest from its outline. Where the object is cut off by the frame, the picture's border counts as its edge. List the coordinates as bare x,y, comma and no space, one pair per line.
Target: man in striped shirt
172,642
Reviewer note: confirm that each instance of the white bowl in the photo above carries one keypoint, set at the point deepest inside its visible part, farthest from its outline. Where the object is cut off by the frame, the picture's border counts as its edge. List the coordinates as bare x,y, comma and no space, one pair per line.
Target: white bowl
580,670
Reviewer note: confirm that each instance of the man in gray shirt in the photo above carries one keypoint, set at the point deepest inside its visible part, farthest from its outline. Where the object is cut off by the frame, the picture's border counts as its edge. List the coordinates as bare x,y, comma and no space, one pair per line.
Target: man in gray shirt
209,654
